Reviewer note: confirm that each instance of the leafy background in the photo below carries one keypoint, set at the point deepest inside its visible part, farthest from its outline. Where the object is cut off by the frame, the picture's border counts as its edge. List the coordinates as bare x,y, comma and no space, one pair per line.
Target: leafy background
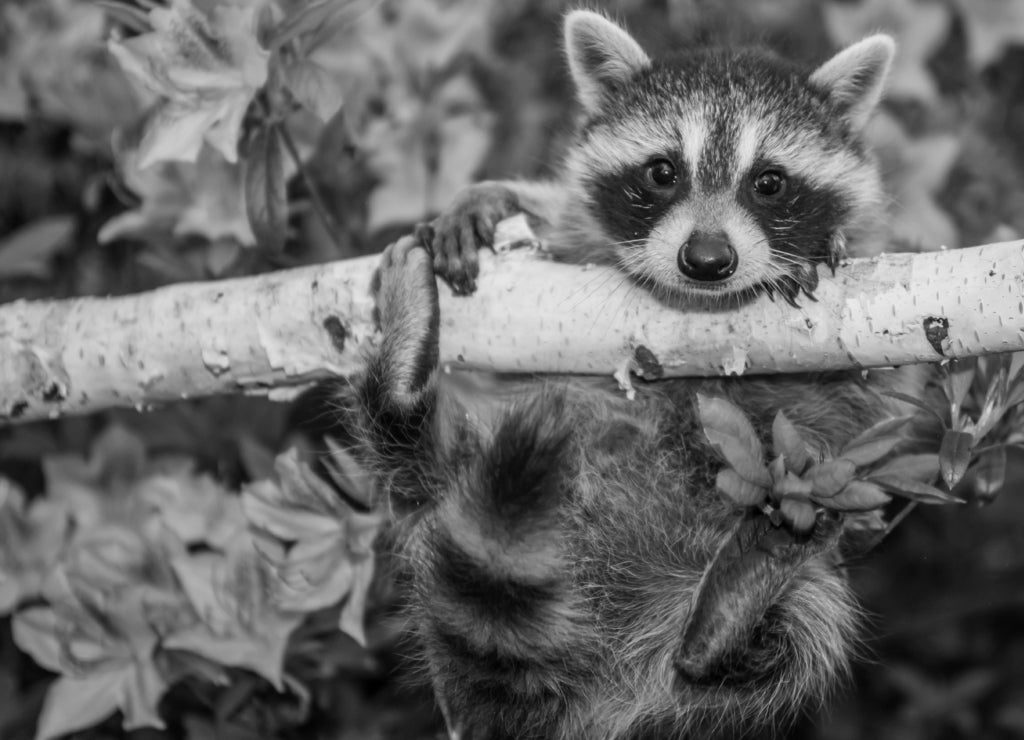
181,572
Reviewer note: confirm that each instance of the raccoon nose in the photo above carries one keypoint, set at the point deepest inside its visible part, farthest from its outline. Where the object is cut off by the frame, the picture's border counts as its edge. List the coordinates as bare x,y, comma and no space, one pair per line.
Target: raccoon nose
707,257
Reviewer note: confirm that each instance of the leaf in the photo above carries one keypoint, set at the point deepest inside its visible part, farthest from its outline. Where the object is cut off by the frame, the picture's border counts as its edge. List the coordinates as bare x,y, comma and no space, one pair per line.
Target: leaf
922,467
792,486
739,491
103,649
915,490
871,451
997,387
732,435
323,550
829,477
798,513
35,632
884,428
991,26
257,460
920,29
207,65
195,507
266,201
28,251
954,456
52,69
858,495
957,383
239,623
32,538
786,440
204,199
75,703
317,89
917,402
314,18
425,150
924,164
989,474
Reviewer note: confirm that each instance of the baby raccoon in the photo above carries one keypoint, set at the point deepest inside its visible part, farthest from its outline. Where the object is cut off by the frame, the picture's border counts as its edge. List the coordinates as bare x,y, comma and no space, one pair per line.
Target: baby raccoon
559,548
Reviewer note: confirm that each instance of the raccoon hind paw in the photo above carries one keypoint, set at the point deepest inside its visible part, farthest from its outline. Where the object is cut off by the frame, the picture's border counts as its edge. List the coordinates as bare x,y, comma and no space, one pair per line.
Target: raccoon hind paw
408,314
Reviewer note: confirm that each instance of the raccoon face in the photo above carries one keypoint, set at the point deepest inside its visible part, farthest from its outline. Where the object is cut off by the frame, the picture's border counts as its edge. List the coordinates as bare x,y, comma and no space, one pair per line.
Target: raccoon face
718,175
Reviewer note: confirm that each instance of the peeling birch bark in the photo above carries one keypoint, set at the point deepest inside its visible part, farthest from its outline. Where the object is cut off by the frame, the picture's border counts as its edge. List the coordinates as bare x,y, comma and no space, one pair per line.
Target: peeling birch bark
277,333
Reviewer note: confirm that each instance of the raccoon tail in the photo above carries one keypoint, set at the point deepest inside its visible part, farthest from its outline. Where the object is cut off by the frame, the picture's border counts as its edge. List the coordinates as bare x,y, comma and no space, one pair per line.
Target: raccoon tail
499,606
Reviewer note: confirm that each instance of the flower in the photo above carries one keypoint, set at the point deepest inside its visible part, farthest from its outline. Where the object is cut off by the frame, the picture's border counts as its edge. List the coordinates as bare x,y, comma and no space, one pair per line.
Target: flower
206,64
317,547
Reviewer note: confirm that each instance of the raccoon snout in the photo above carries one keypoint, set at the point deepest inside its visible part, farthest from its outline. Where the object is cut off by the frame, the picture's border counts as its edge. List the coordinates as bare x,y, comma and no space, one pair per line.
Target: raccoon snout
707,257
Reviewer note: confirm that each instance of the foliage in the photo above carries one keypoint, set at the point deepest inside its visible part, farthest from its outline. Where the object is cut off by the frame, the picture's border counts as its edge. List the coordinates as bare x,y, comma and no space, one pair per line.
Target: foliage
132,574
802,479
185,573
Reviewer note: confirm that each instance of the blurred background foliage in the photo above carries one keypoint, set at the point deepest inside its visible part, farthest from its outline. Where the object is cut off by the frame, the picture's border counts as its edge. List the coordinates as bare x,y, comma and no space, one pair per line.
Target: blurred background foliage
328,130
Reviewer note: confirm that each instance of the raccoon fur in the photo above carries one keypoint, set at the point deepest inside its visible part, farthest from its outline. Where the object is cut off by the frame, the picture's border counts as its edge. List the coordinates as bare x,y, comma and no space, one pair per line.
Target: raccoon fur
553,546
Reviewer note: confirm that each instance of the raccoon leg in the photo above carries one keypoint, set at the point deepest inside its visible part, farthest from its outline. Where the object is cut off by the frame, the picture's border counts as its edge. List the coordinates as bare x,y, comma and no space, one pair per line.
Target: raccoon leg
398,394
468,224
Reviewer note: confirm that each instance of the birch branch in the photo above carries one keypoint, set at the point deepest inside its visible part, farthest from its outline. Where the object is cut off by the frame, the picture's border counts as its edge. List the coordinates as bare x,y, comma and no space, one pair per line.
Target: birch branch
277,333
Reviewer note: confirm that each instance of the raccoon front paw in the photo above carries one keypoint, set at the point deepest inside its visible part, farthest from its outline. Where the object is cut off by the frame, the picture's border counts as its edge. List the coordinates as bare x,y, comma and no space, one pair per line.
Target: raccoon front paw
468,224
408,314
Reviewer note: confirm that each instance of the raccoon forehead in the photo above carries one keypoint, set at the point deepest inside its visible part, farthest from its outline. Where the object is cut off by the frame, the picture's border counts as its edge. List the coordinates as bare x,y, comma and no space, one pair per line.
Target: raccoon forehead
612,145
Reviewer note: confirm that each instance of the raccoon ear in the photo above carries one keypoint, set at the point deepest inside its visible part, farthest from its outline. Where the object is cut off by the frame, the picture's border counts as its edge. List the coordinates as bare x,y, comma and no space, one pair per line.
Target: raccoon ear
602,56
854,78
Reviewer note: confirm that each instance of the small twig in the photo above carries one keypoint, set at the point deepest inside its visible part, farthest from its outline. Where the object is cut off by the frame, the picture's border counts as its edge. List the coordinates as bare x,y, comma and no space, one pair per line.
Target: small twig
904,512
314,190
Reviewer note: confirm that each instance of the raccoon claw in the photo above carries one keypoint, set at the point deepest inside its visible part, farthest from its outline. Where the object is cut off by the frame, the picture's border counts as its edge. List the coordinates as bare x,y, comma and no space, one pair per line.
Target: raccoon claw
455,237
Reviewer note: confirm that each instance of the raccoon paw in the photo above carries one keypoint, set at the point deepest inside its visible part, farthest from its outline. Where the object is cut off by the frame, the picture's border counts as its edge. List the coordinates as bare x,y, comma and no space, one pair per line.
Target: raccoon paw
408,313
468,224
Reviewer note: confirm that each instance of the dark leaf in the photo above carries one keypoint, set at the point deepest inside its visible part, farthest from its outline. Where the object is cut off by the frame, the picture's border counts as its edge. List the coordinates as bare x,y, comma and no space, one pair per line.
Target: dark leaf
1015,394
871,451
959,376
30,250
786,440
319,16
830,477
989,474
918,403
858,495
266,201
922,467
915,490
885,428
739,491
995,401
954,456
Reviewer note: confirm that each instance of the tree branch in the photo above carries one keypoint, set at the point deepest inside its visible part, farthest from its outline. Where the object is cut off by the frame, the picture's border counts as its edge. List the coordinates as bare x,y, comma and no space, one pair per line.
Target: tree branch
276,333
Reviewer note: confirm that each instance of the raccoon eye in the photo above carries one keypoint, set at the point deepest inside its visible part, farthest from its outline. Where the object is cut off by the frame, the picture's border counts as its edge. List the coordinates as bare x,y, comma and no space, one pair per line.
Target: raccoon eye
770,183
661,173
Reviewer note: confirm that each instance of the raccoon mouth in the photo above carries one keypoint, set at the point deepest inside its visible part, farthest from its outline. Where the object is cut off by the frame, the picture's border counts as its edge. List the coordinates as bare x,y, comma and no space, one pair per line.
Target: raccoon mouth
723,640
728,293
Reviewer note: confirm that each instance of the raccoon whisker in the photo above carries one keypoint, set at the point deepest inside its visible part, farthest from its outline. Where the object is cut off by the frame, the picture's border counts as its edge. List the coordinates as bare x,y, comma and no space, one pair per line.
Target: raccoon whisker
593,285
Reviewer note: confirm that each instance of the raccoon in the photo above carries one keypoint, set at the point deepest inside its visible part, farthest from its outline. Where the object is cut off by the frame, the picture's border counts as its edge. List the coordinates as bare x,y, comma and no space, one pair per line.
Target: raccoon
557,545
